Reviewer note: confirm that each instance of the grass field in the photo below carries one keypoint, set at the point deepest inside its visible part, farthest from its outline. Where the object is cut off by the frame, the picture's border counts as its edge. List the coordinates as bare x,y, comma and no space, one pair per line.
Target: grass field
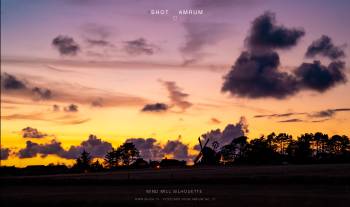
289,185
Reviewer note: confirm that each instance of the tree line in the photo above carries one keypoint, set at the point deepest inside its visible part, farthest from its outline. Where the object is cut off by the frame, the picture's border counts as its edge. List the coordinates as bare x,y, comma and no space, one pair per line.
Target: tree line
272,149
282,148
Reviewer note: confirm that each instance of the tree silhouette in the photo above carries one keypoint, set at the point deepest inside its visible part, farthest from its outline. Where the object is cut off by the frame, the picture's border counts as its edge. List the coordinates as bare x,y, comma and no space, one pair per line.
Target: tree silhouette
260,152
128,153
112,158
282,140
124,155
83,162
228,153
299,151
96,166
338,144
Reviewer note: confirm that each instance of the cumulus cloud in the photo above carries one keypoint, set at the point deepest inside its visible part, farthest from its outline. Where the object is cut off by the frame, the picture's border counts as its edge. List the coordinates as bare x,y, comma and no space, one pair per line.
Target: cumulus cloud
177,149
32,149
157,107
256,75
66,45
224,137
5,152
149,148
316,76
96,147
177,96
30,132
324,47
256,72
71,108
10,82
139,46
265,33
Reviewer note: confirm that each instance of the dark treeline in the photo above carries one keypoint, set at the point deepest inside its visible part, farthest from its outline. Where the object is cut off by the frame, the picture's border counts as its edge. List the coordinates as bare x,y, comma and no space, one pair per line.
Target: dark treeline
282,148
273,149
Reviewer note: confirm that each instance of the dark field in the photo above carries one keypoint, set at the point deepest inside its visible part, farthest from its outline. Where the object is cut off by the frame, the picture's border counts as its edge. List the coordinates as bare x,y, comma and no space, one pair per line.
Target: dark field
291,185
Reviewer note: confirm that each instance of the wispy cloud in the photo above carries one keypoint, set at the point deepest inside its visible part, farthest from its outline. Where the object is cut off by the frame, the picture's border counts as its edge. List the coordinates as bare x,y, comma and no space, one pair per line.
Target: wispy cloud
67,93
50,117
291,120
327,114
176,95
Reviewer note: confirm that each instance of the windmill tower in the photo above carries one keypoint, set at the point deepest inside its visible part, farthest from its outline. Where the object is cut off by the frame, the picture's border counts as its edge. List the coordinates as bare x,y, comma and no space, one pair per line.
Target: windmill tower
206,156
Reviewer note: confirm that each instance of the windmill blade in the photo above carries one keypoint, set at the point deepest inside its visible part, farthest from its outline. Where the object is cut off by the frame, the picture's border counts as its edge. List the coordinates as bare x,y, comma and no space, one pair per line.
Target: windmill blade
200,143
198,157
206,142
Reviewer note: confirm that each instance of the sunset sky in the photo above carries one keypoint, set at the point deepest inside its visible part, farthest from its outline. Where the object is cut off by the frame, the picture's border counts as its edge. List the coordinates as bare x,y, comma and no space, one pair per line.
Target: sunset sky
72,68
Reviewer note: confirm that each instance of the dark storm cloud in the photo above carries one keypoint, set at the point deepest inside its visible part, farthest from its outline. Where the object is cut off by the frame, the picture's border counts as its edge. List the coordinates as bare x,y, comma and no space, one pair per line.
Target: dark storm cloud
5,152
139,47
329,112
177,149
290,120
256,72
30,132
176,96
256,75
66,45
230,132
324,47
42,93
157,107
96,147
149,148
71,108
265,33
10,82
316,76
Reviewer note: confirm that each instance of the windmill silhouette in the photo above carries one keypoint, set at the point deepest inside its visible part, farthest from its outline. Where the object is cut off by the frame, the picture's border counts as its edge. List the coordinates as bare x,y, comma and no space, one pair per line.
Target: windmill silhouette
207,156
